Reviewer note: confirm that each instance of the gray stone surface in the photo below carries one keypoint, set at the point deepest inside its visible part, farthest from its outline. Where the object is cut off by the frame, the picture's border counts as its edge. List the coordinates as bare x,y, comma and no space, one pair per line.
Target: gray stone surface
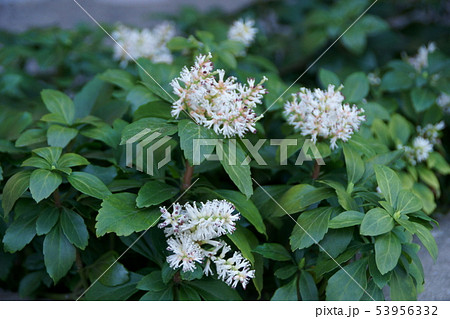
437,275
18,15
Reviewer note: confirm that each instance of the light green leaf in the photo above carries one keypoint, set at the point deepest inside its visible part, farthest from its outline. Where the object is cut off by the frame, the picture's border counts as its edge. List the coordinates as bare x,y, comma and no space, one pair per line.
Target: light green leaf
387,252
346,219
377,221
154,193
58,135
389,183
59,254
88,184
71,160
59,103
43,183
356,87
353,163
120,215
407,202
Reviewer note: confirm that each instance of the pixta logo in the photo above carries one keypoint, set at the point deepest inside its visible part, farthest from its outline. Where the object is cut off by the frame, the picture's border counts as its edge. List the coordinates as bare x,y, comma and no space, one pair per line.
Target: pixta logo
147,147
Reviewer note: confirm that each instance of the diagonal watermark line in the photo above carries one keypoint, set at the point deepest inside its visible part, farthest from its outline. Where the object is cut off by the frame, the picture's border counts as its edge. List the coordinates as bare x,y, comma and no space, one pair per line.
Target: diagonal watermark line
137,239
320,56
313,239
131,57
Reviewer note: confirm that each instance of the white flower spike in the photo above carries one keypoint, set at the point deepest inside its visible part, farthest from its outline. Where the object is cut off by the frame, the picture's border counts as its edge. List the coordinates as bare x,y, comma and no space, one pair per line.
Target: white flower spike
243,31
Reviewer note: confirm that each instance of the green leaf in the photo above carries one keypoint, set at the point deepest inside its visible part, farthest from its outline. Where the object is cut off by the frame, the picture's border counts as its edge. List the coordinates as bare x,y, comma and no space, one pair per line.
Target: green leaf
287,292
120,215
58,135
189,132
273,251
348,283
30,137
21,232
109,271
407,202
43,183
165,295
402,286
154,193
159,109
379,279
346,219
311,228
299,197
307,286
74,228
327,77
241,237
356,87
422,99
120,78
152,282
14,188
192,275
71,160
30,283
187,293
105,293
388,182
50,154
103,133
245,207
232,163
286,272
59,254
336,241
427,239
387,252
48,217
399,129
210,289
394,81
377,221
36,161
353,163
88,184
151,123
59,103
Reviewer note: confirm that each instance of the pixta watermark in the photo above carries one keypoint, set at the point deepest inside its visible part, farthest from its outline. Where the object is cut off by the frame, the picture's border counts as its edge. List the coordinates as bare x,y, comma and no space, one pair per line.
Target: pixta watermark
154,149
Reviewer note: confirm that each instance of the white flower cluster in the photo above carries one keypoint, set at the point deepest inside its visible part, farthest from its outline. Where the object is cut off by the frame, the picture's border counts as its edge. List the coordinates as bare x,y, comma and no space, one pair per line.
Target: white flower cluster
222,104
191,233
243,31
151,44
423,144
443,101
420,60
321,113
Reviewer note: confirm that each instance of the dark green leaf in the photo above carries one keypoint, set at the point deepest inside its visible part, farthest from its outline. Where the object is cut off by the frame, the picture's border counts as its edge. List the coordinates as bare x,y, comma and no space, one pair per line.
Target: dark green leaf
346,219
71,160
387,252
74,228
348,283
59,103
287,292
20,232
402,286
388,182
154,193
356,87
311,227
354,164
307,286
88,184
190,133
109,271
58,135
48,217
377,221
210,289
273,251
43,183
14,188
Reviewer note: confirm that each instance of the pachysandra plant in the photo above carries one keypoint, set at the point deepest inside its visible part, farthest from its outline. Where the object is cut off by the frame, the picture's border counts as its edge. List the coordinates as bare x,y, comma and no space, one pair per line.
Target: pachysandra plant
73,201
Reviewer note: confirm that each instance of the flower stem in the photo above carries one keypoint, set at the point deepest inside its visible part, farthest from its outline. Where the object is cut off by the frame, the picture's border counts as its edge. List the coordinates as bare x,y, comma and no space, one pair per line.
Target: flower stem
187,177
57,198
316,170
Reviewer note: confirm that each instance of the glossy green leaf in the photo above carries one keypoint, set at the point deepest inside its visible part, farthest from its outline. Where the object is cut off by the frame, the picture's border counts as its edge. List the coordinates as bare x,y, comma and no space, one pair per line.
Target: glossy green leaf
21,232
14,188
88,184
74,228
376,221
346,219
71,160
154,193
43,183
48,217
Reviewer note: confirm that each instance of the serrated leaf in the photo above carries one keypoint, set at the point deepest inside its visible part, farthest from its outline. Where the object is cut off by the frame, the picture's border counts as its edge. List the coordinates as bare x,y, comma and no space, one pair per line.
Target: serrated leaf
43,183
58,135
377,221
120,215
59,103
387,252
74,228
154,193
59,254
